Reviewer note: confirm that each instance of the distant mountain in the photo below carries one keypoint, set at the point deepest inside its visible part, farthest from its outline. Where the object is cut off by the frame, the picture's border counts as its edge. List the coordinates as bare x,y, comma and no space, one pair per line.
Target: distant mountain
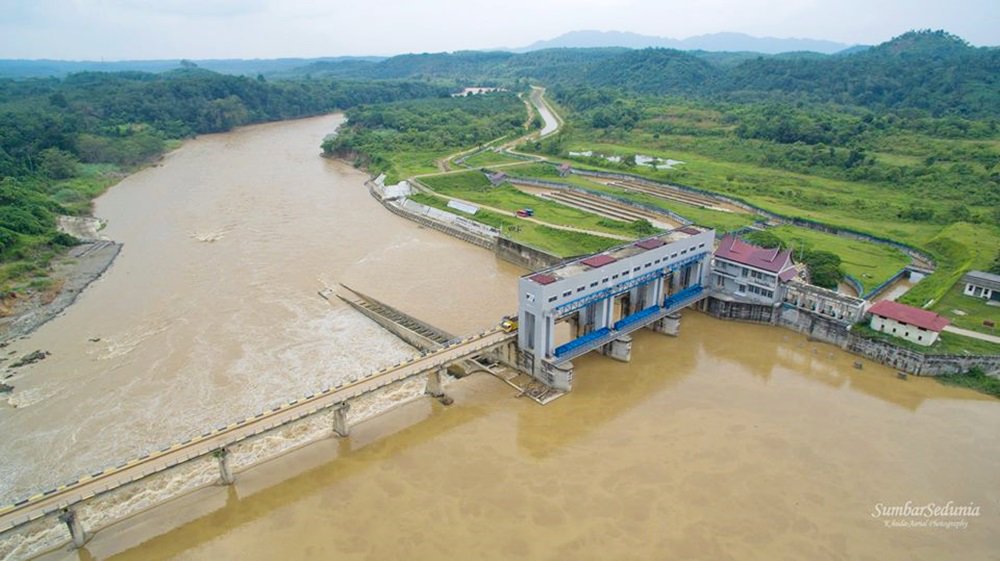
42,68
735,42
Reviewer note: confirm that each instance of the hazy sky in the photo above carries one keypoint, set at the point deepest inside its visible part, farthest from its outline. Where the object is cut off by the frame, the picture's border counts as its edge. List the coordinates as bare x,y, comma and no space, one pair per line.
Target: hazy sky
169,29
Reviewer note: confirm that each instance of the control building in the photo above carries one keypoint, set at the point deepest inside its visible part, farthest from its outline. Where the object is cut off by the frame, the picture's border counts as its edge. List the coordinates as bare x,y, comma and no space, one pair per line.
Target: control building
606,296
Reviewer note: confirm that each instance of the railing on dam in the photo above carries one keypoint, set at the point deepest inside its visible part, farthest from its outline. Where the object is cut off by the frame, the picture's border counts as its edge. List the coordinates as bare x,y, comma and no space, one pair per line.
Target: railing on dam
582,341
636,317
628,324
683,296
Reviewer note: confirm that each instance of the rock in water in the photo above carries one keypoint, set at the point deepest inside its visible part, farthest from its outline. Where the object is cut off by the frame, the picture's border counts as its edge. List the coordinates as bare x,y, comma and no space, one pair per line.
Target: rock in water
30,358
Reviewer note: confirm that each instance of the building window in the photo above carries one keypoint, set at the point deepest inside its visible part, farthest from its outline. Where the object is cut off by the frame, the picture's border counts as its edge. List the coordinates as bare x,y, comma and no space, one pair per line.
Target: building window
636,270
593,284
567,293
581,289
672,255
553,299
614,276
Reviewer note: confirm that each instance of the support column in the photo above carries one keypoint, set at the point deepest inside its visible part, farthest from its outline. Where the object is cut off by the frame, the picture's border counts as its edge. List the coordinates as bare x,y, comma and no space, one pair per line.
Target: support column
225,470
75,528
340,425
434,388
668,325
620,349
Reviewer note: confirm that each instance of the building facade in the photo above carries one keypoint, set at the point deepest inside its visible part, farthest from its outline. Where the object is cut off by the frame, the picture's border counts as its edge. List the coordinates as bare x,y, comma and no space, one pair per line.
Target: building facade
906,322
605,296
980,284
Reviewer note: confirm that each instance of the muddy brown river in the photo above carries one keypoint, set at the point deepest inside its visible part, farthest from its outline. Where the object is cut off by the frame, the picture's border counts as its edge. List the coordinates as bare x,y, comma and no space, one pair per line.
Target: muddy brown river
732,441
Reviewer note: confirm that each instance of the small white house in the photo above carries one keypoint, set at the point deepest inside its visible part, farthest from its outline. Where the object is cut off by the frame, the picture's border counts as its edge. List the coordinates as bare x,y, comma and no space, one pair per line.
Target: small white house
906,322
983,285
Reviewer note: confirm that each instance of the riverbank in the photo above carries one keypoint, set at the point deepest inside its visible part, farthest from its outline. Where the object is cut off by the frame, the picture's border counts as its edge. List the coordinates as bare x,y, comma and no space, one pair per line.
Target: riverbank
70,274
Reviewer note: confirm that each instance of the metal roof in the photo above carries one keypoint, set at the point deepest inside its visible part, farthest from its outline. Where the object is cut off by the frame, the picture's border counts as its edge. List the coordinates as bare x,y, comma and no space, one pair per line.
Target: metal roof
909,315
600,260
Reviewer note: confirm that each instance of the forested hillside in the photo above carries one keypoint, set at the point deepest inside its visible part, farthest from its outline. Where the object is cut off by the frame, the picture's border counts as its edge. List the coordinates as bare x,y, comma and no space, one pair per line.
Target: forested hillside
63,141
405,137
929,71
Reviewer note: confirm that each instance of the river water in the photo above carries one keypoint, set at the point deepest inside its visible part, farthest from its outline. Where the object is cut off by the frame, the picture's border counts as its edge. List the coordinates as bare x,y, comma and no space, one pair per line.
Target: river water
732,441
211,311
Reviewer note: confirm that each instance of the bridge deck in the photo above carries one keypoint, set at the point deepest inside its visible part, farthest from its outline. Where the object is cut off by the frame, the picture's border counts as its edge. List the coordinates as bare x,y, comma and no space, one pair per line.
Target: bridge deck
101,482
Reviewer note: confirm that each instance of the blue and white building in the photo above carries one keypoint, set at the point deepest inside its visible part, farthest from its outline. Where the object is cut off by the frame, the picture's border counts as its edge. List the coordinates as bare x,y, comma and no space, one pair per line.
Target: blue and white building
606,296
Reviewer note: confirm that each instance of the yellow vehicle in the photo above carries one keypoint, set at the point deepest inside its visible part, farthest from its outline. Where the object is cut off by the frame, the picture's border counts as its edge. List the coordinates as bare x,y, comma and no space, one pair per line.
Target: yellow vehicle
509,324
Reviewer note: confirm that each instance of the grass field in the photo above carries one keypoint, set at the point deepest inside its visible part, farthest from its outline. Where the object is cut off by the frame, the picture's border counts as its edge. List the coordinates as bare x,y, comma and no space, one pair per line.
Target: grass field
858,206
974,311
557,242
869,262
721,221
489,158
473,186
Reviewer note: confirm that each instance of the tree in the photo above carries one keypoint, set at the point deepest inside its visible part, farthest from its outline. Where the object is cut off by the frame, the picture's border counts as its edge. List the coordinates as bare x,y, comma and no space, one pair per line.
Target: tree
763,238
824,268
57,164
995,267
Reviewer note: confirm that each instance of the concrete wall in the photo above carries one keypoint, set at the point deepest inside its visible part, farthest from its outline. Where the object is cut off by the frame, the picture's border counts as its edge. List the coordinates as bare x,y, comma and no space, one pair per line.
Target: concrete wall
740,311
829,330
918,363
813,325
525,256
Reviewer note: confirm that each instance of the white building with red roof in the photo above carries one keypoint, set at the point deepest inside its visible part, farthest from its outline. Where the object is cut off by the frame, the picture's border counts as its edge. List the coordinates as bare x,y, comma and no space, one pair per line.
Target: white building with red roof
747,273
906,322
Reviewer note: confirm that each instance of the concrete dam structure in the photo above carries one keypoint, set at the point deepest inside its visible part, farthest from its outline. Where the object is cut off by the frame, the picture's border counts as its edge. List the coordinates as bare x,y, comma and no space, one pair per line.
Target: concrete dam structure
606,296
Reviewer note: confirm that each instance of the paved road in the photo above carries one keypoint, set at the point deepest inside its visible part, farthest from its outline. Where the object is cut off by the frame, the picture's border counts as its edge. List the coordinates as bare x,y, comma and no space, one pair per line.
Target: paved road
88,486
973,334
551,121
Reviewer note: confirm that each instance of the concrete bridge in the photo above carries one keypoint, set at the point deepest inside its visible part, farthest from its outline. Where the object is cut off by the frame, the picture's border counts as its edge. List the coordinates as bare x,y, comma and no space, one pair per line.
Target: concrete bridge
60,501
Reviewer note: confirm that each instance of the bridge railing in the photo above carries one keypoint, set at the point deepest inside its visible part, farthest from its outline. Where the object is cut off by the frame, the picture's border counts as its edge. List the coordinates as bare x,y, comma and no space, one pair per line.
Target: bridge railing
636,317
581,341
682,296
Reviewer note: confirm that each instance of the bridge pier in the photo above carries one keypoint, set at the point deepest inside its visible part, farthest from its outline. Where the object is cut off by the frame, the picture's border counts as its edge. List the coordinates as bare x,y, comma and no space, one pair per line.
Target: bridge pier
434,387
225,470
340,425
620,349
669,325
75,528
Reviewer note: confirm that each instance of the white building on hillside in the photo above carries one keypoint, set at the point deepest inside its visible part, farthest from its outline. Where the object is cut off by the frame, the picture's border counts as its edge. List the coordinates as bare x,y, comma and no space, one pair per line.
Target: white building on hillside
906,322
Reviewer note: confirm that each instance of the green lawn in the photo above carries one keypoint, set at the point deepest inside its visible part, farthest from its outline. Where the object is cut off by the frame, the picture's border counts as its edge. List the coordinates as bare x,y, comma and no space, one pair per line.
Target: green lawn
474,187
869,262
975,380
556,242
858,206
489,158
407,164
721,221
974,310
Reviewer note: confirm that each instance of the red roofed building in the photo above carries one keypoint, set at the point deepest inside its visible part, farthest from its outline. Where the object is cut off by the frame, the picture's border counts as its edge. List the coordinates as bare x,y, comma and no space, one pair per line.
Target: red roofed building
913,324
748,273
